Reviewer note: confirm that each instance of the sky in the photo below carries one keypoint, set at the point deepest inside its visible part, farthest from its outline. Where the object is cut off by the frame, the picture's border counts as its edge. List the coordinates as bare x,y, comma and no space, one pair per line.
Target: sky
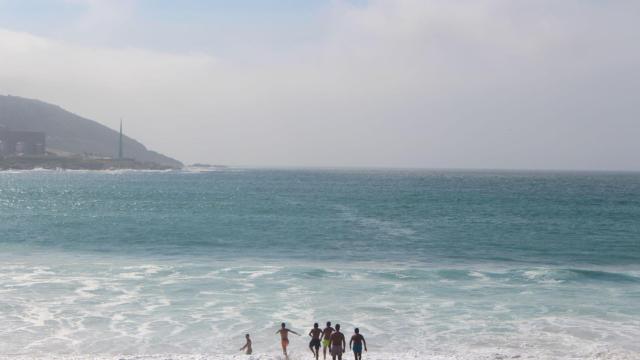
539,84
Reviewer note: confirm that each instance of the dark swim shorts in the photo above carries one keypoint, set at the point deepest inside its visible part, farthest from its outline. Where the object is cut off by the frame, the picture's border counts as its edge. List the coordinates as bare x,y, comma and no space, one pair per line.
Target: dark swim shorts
315,343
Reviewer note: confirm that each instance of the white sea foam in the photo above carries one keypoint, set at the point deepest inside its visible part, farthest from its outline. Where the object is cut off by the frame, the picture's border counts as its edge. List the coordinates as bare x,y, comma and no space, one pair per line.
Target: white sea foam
490,354
542,276
104,309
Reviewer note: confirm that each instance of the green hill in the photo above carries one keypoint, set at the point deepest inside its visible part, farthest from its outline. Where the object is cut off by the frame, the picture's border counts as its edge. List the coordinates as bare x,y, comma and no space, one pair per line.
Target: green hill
71,133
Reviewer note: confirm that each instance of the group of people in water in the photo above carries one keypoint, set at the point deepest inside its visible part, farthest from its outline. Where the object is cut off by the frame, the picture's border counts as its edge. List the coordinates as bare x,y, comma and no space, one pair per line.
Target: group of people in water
328,338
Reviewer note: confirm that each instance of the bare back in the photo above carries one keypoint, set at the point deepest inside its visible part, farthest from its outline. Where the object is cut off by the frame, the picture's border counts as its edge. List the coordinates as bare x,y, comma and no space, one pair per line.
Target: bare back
337,338
315,333
326,333
284,334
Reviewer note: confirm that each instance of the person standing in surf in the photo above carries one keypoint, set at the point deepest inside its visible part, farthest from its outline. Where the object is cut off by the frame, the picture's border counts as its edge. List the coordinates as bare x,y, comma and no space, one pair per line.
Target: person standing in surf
337,344
326,338
247,345
284,337
357,340
314,344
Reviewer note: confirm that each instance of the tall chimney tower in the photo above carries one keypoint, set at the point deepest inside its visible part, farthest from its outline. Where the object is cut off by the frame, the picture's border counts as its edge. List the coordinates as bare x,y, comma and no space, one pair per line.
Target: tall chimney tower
120,154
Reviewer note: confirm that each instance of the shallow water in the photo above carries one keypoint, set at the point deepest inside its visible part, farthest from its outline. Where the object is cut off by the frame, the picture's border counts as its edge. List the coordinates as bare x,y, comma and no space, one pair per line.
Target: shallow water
454,265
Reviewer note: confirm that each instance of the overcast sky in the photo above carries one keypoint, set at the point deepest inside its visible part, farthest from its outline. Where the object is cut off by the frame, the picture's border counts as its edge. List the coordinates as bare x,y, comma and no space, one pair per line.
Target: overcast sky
403,83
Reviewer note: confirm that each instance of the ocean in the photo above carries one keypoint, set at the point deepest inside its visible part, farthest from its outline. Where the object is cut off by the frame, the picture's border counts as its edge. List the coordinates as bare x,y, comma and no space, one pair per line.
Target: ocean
429,264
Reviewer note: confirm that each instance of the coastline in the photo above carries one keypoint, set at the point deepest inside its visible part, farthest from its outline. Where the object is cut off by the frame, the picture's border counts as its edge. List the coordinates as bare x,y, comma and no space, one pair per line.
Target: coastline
53,162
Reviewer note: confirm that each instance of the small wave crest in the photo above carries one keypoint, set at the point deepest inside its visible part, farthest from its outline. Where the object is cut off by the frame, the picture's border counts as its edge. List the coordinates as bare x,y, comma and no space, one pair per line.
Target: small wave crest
577,275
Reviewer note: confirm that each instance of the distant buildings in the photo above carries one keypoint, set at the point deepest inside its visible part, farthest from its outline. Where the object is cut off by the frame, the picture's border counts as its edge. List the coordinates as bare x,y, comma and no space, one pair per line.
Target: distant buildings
22,142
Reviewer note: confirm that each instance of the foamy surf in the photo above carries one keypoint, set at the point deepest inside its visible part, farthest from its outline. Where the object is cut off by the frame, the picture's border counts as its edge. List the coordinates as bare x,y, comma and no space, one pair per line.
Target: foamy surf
57,306
426,355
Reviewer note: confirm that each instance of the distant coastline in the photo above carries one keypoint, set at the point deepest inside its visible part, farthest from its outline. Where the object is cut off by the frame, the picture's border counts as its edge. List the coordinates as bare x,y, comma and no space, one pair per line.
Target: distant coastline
35,134
53,162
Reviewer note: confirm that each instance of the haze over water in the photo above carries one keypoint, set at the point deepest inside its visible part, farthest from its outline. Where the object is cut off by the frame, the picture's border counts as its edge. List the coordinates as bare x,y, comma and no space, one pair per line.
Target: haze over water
447,264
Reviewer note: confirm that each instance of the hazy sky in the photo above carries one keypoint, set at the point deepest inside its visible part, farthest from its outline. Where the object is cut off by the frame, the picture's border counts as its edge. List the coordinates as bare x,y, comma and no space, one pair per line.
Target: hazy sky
405,83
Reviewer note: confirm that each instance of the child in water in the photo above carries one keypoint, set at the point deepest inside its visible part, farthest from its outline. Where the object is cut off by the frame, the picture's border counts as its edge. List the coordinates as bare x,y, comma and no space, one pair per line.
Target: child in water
247,346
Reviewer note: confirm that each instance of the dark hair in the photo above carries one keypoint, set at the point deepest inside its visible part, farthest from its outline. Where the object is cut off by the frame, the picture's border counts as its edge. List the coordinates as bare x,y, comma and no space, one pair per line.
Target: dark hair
315,325
283,324
247,335
337,326
328,323
357,331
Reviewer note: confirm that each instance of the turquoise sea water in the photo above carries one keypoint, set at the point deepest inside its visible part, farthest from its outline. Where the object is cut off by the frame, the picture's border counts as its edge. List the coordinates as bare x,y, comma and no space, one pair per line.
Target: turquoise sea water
429,264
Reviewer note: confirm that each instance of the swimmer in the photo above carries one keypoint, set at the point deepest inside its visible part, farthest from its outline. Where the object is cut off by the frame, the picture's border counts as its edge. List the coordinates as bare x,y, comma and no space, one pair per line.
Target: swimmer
357,340
284,337
326,338
247,346
337,344
314,344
